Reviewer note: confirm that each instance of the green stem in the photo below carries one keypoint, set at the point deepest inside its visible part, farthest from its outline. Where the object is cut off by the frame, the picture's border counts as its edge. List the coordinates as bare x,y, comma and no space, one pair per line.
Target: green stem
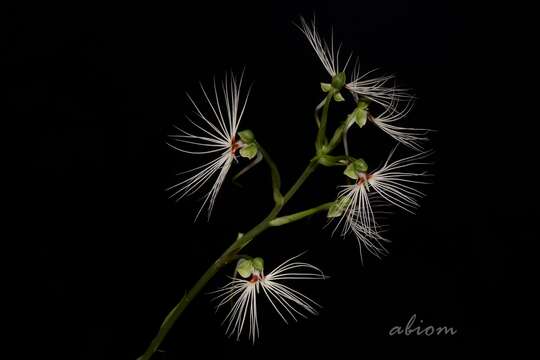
321,134
337,137
276,179
329,160
317,109
223,260
282,220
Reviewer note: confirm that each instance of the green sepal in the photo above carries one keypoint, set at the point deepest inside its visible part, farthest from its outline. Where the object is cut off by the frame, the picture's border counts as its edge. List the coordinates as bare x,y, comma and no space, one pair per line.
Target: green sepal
363,104
338,97
338,81
246,136
325,87
249,151
338,207
244,267
258,264
356,167
359,116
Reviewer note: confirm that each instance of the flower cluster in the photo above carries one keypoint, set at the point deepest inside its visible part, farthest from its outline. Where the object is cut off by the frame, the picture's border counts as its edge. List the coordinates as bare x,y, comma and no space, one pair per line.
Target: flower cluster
215,135
393,181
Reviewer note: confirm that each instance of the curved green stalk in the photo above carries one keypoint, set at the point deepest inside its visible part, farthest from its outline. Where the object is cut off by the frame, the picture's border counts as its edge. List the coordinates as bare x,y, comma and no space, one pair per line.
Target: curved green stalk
316,113
321,134
276,179
287,219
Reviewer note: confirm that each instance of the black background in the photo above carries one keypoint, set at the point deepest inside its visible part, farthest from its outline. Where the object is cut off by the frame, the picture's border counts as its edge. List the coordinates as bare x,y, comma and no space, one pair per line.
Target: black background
109,254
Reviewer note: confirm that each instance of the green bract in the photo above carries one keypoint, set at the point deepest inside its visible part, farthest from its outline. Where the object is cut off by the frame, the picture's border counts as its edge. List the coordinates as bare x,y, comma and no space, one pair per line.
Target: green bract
338,97
338,207
356,167
325,87
249,151
359,114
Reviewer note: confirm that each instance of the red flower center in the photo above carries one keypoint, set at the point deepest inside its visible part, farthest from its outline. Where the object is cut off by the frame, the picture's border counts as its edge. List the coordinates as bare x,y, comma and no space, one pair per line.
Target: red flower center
234,146
362,179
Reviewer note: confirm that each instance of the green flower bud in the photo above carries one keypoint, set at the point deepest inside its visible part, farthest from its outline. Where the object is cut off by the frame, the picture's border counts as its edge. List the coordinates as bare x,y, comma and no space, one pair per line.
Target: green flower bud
338,81
356,167
338,207
338,97
249,151
247,136
258,264
244,267
325,87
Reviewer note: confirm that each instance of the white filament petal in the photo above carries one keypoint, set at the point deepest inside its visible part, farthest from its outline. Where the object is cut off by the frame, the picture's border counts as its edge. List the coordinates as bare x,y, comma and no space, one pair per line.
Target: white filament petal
214,134
394,183
327,54
410,137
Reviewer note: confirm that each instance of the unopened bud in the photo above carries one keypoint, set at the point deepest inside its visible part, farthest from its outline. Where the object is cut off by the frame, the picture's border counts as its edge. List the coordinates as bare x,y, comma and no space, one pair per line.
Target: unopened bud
338,81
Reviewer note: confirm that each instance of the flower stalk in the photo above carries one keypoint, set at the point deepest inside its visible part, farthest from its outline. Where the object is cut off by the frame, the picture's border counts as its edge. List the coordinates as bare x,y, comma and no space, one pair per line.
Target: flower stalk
283,220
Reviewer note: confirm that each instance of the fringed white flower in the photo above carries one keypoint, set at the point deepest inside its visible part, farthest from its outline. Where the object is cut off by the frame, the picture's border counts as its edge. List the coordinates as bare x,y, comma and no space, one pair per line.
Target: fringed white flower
392,182
241,294
214,135
410,137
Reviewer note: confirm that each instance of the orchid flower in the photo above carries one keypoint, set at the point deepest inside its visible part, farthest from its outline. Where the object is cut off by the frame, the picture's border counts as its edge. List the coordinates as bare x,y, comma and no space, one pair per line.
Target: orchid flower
214,136
393,183
243,292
